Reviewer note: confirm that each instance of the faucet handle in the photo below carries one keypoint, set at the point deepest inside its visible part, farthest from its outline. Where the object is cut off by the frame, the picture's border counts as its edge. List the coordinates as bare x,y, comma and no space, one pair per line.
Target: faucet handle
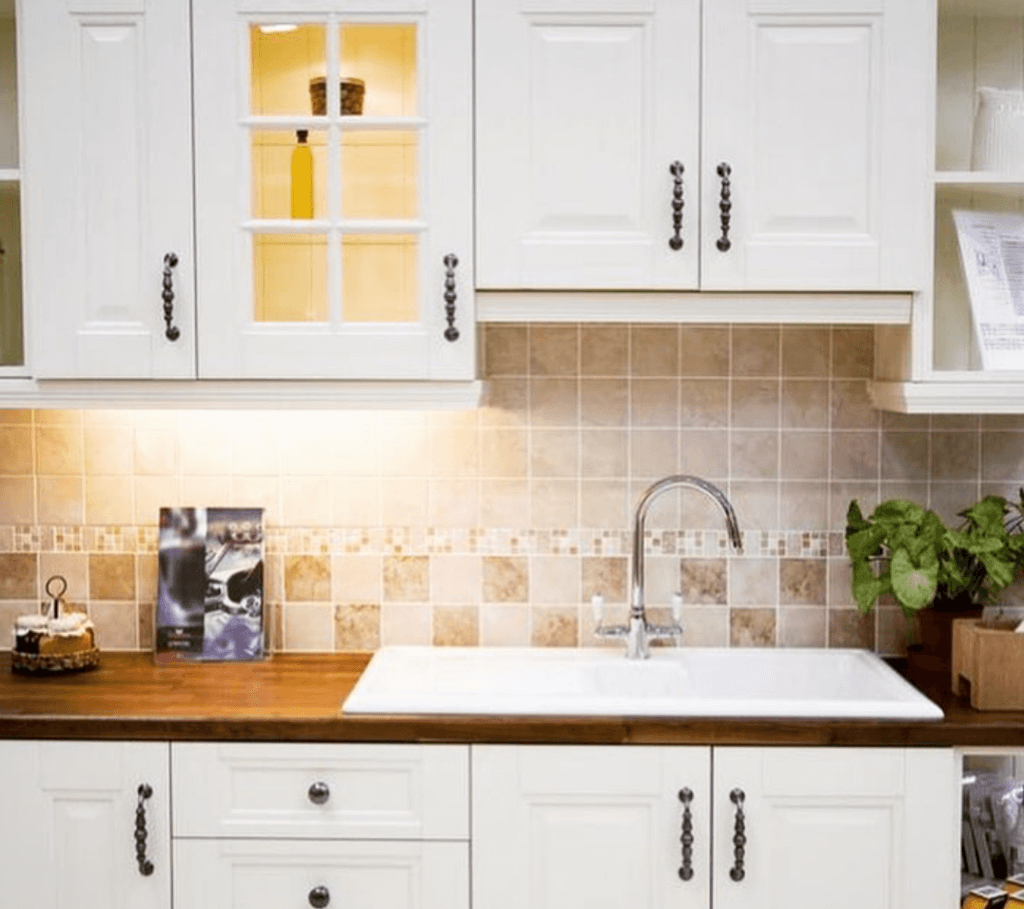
677,607
597,607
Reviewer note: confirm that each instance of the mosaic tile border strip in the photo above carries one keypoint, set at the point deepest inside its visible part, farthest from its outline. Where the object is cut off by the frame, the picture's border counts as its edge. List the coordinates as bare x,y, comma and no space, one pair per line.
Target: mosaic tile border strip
389,541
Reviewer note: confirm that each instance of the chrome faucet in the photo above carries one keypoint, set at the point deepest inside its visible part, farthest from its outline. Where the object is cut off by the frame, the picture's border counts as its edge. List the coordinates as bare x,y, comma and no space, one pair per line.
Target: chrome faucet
639,632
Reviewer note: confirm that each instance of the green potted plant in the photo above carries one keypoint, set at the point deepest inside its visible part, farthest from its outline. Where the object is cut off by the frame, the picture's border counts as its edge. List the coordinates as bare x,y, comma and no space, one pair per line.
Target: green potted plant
905,551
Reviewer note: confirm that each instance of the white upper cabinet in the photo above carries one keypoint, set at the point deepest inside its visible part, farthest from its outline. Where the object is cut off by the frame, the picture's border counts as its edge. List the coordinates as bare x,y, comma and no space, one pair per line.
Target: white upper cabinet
334,189
794,133
581,111
107,187
817,110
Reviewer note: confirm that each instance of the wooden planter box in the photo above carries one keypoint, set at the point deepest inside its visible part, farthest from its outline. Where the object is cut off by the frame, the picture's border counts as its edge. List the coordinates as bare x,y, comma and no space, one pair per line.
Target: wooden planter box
991,660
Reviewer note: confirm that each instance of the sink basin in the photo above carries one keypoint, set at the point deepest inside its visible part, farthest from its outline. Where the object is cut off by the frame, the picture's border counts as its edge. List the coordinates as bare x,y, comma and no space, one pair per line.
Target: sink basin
684,682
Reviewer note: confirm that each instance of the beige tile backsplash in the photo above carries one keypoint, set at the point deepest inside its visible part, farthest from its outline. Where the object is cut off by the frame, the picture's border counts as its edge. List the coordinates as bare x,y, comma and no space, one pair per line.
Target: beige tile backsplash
496,526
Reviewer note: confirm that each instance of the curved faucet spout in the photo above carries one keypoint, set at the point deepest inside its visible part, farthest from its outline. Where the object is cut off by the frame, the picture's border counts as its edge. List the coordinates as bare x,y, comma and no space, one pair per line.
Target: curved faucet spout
638,632
643,506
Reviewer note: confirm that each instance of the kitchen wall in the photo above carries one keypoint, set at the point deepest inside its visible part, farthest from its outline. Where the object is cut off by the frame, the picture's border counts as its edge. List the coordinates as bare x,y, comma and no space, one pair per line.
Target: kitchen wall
495,526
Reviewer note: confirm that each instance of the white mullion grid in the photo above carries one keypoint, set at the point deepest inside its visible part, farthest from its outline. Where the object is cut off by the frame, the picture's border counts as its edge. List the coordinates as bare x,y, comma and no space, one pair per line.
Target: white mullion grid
335,184
247,298
429,318
320,123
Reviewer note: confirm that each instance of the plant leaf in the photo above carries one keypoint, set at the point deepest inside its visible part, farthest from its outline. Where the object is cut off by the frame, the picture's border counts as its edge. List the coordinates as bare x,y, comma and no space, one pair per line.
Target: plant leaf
866,587
1000,571
866,543
854,518
913,585
987,515
898,511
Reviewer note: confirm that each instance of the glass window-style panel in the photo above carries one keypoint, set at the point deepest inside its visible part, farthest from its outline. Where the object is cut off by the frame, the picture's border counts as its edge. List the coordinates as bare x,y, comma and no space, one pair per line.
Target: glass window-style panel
285,58
8,92
289,174
383,58
12,348
290,278
380,173
380,278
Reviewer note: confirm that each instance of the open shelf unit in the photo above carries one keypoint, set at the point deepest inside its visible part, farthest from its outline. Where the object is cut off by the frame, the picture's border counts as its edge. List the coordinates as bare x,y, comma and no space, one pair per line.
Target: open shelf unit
934,365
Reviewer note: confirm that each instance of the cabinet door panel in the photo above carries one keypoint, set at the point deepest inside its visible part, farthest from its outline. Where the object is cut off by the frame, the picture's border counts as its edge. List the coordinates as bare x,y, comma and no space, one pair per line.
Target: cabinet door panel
564,827
853,828
69,836
108,187
814,107
248,874
580,111
358,290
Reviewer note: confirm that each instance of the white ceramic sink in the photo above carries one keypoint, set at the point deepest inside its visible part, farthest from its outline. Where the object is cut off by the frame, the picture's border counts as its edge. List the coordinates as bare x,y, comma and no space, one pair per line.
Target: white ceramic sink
742,682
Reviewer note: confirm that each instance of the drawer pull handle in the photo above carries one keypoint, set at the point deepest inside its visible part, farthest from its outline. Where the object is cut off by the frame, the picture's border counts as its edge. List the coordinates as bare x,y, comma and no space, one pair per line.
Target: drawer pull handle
676,240
739,839
724,207
145,865
319,793
451,333
319,897
172,333
686,868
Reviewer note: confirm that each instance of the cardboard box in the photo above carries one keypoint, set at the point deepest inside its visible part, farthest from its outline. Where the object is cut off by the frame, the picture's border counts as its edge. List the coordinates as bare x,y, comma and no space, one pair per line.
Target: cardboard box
991,661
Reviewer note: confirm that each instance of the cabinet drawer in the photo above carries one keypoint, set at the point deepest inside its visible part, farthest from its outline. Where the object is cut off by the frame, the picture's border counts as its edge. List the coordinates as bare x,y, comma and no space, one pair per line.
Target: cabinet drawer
252,874
321,791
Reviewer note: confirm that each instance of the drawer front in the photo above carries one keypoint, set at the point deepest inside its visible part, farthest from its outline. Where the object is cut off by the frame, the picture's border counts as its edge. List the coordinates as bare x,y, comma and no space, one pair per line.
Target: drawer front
321,791
253,874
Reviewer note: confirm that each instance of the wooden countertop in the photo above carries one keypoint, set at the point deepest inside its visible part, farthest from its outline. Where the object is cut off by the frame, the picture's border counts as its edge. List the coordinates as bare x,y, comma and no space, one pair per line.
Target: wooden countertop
297,697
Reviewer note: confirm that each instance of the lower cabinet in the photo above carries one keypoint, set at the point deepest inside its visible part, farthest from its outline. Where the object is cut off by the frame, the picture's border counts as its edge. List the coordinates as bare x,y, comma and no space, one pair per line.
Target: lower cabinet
688,827
85,825
288,825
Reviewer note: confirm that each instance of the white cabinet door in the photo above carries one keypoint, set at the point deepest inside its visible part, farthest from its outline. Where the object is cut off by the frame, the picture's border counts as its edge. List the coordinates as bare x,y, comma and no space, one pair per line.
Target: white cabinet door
107,187
846,828
559,827
68,837
819,108
271,874
581,111
814,111
369,274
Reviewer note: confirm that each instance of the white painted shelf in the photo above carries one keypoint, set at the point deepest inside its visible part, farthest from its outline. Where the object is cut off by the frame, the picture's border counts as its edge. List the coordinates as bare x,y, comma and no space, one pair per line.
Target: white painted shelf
969,178
971,393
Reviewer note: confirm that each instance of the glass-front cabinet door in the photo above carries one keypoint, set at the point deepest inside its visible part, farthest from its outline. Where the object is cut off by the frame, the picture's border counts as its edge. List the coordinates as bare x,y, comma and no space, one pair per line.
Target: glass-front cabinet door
12,349
333,188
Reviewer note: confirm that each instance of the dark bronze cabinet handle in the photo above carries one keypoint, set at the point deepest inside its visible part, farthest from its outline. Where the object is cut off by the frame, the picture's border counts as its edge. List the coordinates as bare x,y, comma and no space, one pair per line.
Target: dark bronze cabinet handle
676,169
739,837
145,865
319,792
172,332
319,897
686,868
451,333
724,206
